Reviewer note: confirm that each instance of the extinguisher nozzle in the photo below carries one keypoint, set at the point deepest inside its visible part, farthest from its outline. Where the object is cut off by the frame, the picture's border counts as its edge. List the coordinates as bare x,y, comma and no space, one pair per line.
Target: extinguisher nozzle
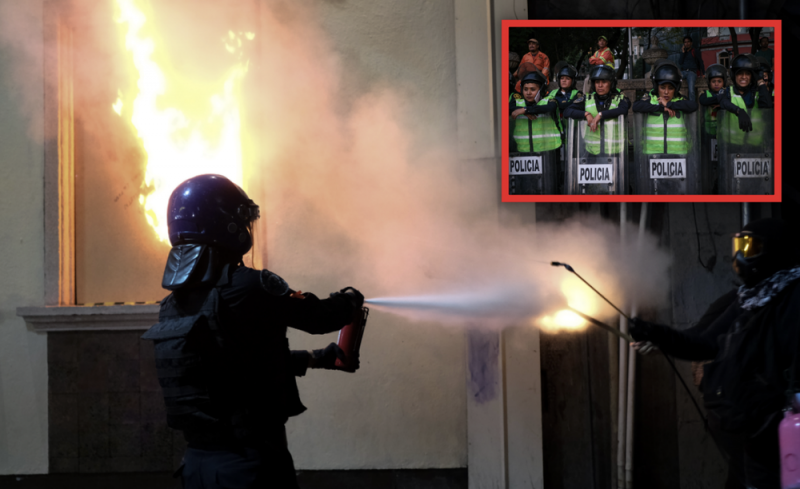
559,264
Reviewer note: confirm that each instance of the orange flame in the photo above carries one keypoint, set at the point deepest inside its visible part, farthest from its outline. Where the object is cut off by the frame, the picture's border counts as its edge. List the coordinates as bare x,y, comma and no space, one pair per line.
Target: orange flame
177,146
578,296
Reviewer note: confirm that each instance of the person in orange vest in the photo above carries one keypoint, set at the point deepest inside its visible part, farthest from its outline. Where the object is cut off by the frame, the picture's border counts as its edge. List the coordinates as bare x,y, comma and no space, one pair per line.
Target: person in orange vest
603,55
538,58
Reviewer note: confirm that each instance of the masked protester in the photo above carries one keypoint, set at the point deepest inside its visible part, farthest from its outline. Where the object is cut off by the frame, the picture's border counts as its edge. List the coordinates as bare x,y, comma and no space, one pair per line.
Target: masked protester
746,97
222,357
753,344
665,131
532,112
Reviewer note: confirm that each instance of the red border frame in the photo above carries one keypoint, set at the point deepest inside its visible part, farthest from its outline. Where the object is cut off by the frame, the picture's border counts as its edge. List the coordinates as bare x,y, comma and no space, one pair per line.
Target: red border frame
776,24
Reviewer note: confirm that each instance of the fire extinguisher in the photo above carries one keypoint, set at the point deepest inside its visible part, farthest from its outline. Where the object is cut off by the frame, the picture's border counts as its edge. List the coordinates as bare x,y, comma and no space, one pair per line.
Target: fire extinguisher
350,340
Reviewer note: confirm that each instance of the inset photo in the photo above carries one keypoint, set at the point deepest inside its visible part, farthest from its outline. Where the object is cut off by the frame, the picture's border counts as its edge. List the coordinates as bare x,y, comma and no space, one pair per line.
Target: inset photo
643,112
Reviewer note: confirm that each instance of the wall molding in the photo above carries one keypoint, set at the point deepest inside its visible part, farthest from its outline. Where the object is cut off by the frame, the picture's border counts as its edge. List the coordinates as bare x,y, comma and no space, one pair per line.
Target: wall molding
90,318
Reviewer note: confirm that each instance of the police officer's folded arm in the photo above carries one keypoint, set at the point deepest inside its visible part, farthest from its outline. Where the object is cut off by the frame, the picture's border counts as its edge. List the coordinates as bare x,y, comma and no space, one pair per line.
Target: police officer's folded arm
622,109
646,106
577,110
686,105
706,100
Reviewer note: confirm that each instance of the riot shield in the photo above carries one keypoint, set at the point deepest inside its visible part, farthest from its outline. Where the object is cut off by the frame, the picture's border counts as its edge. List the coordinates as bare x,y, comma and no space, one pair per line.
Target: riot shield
665,164
709,150
596,161
746,164
533,173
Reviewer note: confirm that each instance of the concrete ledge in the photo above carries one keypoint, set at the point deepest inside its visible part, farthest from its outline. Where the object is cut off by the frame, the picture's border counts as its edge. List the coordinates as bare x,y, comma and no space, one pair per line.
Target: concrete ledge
90,318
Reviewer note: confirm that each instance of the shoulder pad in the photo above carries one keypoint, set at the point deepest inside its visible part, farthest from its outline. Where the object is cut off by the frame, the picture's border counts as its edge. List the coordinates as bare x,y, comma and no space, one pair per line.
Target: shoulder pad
646,97
517,96
722,92
579,99
273,283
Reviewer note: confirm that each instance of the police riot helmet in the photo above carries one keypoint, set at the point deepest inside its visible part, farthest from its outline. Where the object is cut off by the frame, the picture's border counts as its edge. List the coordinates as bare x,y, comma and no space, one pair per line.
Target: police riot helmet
762,248
535,76
563,68
716,71
666,71
210,209
745,62
603,72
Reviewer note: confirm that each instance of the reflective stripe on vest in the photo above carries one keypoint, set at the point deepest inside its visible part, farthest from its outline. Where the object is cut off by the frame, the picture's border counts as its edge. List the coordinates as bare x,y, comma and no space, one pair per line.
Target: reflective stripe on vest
543,133
736,135
598,54
610,129
659,134
710,117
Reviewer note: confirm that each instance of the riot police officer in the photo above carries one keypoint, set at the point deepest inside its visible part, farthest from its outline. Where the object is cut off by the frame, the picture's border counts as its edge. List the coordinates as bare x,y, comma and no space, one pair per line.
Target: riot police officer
715,74
604,102
535,128
567,91
222,356
665,107
709,100
747,94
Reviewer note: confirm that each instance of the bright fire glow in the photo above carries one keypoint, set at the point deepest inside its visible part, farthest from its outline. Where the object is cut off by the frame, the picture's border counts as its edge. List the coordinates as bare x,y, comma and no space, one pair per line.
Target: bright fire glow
179,147
579,296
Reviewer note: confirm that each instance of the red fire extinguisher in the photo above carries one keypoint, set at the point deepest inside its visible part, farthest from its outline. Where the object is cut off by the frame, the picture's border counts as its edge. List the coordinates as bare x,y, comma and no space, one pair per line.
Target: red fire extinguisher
350,340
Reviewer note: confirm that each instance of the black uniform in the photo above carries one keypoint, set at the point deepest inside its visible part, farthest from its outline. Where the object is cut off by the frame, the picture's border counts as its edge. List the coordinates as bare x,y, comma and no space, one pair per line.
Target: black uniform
752,348
577,110
643,105
233,390
714,99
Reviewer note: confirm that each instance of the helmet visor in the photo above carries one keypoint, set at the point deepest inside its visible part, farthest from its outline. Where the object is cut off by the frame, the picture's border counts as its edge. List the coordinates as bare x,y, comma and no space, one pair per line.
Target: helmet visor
749,245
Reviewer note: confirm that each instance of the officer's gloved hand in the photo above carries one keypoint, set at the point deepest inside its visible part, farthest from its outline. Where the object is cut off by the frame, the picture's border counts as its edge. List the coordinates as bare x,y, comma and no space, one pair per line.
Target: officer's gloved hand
355,297
326,357
745,124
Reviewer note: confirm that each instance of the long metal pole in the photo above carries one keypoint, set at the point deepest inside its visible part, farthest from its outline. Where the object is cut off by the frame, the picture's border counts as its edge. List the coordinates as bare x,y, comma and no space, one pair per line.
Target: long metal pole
623,369
632,372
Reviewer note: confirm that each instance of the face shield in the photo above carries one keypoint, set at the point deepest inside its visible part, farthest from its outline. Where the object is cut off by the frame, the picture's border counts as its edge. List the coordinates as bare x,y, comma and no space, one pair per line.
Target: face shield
748,245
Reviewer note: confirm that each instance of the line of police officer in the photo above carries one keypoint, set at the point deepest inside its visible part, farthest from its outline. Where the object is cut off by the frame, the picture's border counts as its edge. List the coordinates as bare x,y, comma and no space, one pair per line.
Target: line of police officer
671,154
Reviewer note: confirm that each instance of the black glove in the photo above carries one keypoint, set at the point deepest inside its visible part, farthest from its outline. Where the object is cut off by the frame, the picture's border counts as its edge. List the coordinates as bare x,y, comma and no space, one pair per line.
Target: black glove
326,357
642,330
355,297
745,124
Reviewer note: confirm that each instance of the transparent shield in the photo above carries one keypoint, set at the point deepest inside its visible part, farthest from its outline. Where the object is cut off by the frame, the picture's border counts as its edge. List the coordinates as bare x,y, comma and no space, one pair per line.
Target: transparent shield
666,162
596,161
709,150
746,165
533,173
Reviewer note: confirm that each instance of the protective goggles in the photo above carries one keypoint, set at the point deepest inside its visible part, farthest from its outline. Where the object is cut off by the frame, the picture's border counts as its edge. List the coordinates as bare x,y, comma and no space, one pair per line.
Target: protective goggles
248,212
749,245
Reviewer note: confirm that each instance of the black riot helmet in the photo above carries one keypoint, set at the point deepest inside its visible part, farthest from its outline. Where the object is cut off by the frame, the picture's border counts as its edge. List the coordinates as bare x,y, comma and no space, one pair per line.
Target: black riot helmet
762,248
666,71
565,69
211,210
535,76
603,72
745,62
716,71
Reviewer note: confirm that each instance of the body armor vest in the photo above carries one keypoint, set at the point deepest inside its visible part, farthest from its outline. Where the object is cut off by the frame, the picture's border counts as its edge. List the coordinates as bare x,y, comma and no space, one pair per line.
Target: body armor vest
542,131
609,130
736,135
710,117
665,136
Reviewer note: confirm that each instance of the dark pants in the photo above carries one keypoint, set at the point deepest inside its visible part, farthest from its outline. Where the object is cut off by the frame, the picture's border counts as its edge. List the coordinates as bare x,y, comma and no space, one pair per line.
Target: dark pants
245,468
753,461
